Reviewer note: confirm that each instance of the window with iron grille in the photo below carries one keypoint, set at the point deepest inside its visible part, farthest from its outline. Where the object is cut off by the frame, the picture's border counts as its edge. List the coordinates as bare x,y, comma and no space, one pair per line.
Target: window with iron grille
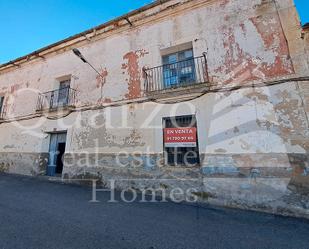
178,68
62,97
181,156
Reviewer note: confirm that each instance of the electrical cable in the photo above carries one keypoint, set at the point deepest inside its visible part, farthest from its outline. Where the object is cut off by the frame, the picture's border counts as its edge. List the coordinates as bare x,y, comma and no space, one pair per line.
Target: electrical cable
155,100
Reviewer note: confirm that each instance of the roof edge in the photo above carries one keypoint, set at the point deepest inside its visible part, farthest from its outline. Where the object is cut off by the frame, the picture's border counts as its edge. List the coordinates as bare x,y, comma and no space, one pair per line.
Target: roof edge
306,25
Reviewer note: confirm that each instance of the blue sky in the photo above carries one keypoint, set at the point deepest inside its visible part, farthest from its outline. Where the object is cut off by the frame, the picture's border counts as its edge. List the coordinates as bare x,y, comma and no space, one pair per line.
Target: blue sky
27,25
303,10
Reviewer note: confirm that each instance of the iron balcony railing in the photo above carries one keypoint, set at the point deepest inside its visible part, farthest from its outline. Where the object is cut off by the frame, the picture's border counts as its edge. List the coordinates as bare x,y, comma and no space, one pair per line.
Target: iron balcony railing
180,74
63,97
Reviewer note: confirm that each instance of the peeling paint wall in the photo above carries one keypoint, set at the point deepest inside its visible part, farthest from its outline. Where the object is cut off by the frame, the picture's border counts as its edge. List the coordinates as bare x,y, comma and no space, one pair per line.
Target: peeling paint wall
304,86
245,135
244,40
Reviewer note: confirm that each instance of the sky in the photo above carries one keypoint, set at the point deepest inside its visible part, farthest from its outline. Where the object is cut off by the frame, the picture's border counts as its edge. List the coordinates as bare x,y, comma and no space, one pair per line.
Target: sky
28,25
303,10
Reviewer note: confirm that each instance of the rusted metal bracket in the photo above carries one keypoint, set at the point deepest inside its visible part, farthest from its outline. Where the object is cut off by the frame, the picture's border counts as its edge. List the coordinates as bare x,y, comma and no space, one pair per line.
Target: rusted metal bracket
128,20
16,65
39,56
145,71
87,38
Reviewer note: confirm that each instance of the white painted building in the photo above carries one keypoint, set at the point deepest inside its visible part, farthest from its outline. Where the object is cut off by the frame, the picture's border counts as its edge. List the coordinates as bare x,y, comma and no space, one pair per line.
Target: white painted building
233,74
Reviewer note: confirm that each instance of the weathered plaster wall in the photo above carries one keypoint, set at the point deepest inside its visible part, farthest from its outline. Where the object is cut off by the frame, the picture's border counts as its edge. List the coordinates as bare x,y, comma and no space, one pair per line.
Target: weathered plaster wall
24,144
306,41
244,41
304,86
258,120
253,142
253,145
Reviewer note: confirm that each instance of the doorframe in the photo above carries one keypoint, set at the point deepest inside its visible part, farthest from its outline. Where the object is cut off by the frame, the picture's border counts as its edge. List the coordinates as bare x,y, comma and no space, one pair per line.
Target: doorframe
55,156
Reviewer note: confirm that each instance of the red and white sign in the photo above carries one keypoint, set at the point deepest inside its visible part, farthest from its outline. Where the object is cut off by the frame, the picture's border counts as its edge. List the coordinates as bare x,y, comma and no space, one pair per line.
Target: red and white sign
180,137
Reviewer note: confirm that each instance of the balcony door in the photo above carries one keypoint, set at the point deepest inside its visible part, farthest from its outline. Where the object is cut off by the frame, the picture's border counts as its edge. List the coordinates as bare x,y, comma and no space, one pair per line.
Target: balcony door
63,94
178,68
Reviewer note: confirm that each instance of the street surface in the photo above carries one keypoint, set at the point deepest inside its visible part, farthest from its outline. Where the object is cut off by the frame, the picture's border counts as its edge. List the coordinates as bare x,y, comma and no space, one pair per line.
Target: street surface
40,214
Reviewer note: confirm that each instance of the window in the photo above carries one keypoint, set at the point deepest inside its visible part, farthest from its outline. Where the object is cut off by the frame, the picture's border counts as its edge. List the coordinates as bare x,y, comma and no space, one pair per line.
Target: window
178,68
180,141
63,95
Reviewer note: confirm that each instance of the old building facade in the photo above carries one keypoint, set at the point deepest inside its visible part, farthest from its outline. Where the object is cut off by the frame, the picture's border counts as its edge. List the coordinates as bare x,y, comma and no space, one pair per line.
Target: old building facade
204,94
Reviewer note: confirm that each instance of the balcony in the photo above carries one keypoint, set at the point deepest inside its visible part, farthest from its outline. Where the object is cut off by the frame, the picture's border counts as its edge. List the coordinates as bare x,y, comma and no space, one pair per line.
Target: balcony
183,74
58,99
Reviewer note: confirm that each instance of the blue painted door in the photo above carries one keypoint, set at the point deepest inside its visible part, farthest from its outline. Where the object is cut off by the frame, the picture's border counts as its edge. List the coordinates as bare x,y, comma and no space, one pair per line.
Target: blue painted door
55,140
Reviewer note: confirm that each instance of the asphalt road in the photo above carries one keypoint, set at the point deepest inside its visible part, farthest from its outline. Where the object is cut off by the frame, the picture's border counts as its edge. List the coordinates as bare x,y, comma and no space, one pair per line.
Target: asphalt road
40,214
